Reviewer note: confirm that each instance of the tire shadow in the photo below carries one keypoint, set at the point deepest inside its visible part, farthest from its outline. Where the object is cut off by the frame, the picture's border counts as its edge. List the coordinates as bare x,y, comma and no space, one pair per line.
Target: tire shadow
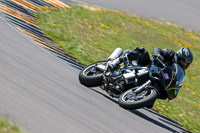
146,117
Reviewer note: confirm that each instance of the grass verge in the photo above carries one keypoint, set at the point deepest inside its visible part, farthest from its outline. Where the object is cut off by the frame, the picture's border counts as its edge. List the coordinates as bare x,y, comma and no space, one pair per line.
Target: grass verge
91,36
6,127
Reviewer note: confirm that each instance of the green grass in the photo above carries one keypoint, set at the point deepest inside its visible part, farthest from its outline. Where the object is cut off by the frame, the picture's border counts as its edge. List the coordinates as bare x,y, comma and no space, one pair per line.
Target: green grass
6,127
91,36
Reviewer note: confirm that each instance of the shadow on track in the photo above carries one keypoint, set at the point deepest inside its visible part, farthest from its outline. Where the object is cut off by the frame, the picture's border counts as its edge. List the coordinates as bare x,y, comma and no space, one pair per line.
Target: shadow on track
142,115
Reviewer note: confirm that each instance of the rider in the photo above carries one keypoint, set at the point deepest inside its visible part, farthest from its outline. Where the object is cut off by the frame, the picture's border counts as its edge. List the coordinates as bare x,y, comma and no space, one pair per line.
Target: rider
183,56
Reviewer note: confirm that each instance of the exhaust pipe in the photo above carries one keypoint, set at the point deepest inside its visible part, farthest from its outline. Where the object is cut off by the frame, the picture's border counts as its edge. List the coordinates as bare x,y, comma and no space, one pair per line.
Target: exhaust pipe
115,54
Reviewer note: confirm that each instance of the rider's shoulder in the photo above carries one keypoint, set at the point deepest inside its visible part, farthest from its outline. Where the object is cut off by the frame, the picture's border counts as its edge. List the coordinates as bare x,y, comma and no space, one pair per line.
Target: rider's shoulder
168,49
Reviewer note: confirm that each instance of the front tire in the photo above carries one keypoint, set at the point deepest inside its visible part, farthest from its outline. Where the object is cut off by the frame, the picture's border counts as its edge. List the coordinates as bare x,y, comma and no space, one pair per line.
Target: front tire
147,98
91,77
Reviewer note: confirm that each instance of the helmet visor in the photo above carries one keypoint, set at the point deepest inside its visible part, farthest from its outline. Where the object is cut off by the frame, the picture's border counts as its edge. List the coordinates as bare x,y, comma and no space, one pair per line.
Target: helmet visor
184,64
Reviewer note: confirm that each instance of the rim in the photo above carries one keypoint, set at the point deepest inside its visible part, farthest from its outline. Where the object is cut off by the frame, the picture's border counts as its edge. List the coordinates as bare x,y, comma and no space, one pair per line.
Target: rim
131,97
92,71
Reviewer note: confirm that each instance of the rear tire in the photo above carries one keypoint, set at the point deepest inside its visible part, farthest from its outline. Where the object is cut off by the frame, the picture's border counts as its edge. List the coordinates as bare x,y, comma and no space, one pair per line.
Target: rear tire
91,77
130,104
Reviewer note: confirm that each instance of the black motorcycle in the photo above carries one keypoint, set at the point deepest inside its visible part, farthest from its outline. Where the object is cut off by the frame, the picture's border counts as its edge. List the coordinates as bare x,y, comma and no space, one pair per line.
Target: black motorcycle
135,86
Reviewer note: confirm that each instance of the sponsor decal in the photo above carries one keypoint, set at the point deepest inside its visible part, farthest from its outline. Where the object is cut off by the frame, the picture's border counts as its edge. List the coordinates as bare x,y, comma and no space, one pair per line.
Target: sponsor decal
166,76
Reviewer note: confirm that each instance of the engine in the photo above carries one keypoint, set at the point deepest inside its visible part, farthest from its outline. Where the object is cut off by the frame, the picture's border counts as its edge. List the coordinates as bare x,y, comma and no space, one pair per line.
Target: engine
117,82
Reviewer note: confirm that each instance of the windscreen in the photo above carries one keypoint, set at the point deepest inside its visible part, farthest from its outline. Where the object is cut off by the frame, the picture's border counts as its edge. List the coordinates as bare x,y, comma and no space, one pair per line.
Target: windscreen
179,75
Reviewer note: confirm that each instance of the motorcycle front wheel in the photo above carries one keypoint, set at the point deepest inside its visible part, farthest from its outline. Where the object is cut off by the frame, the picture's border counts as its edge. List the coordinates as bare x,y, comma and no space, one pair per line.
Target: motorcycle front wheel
90,76
129,100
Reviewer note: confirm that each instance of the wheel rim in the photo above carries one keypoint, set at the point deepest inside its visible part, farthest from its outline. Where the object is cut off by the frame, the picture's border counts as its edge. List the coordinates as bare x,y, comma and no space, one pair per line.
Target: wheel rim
91,70
129,97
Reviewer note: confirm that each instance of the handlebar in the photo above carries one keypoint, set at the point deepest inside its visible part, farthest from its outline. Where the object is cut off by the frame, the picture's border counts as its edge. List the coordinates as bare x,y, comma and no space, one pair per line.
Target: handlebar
160,62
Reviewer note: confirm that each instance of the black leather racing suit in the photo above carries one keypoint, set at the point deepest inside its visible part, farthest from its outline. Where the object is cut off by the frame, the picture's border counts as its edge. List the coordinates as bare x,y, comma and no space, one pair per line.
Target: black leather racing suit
167,55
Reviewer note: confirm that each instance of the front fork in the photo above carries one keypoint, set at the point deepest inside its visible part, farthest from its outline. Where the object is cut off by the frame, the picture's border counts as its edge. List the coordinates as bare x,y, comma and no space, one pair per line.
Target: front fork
141,88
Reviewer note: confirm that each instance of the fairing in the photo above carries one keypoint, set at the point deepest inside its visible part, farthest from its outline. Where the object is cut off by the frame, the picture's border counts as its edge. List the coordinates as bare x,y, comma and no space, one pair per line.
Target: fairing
172,78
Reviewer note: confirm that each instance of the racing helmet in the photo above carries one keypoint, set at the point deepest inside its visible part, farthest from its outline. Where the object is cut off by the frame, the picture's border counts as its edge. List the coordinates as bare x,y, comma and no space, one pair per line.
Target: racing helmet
183,57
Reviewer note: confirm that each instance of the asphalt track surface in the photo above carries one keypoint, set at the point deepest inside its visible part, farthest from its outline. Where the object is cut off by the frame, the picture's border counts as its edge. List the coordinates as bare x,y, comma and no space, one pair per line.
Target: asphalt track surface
180,12
42,94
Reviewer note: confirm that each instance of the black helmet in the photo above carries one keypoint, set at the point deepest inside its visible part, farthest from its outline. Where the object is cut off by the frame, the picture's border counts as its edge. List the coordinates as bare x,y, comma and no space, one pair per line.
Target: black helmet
184,57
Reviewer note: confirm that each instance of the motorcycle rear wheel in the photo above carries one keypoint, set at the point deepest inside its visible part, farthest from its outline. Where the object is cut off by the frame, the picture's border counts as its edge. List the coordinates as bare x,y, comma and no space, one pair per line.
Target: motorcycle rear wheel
91,77
146,98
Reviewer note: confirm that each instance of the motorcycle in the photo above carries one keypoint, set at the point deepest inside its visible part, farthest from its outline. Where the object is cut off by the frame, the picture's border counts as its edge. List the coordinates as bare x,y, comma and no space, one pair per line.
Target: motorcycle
135,86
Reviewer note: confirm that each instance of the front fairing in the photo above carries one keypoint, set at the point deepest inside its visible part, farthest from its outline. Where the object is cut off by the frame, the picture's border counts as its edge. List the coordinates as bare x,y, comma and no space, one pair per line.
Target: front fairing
172,77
